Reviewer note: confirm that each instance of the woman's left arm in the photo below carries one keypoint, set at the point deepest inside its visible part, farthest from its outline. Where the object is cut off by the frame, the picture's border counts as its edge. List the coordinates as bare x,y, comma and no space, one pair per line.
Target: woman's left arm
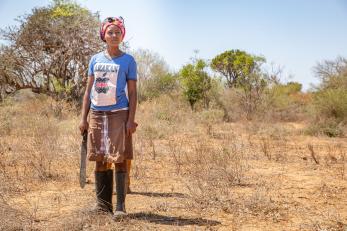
132,94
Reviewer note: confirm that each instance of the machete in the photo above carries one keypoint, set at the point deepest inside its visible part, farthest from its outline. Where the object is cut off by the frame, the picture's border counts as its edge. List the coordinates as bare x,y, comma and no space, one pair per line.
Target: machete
83,163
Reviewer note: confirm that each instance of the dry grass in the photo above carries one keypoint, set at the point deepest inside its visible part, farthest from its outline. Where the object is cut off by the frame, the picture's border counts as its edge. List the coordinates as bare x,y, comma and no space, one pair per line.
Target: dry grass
191,172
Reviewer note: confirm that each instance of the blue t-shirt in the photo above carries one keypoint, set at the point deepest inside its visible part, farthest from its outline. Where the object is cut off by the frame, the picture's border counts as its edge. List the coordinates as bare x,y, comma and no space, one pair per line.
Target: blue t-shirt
109,91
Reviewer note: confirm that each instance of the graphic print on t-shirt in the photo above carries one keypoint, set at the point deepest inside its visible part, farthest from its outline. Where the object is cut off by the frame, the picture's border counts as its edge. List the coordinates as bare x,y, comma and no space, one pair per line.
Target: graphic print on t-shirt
104,91
101,85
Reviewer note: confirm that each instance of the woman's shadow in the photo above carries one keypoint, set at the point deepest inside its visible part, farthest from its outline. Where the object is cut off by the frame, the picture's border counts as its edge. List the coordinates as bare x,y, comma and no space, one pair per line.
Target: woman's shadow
171,220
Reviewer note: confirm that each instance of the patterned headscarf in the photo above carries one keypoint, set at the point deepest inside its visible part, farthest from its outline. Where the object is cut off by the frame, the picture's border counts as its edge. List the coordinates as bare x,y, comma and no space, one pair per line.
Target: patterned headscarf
119,22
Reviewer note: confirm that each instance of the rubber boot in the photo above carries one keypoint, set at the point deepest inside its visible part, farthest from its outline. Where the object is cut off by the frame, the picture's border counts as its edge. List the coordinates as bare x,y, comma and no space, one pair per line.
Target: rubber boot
127,180
103,190
120,188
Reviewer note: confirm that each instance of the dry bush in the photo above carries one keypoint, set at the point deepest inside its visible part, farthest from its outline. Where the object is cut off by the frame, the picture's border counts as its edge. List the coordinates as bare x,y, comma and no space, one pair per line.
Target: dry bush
164,116
269,106
330,156
326,127
259,203
274,131
139,168
269,140
37,141
41,146
215,168
210,172
160,119
229,102
276,150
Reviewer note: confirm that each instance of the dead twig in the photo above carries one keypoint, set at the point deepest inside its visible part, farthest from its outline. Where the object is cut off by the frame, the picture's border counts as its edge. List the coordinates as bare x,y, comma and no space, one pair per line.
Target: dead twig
313,154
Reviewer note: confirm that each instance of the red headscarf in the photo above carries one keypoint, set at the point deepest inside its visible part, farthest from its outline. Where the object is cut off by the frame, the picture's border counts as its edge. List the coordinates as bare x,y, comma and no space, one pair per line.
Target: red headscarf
119,22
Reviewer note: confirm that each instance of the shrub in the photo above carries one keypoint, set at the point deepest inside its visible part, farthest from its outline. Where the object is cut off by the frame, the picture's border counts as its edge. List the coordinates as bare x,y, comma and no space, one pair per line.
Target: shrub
330,101
156,86
196,82
330,111
285,102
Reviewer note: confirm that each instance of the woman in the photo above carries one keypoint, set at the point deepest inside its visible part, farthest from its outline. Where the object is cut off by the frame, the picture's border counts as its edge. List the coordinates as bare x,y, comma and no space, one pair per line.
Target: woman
110,99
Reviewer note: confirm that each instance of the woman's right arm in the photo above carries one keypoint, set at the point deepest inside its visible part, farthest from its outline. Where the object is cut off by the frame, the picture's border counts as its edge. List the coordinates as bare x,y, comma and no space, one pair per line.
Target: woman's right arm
86,105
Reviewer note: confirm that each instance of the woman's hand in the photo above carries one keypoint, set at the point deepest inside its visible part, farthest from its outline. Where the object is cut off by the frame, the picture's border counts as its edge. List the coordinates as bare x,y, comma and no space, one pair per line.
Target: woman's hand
83,126
131,127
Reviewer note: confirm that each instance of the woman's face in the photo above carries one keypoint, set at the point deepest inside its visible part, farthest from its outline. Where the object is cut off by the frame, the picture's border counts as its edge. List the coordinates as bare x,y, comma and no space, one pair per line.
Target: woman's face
113,35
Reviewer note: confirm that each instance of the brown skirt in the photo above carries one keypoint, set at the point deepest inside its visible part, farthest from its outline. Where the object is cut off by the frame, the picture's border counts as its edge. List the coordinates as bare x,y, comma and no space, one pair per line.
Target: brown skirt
107,139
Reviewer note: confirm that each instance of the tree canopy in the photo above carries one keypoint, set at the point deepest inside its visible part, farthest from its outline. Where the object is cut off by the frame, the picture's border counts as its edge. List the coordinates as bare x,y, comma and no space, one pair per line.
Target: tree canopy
236,65
50,49
195,82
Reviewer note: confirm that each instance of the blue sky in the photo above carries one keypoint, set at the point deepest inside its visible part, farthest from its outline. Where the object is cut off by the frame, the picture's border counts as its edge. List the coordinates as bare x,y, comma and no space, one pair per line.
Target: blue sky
295,34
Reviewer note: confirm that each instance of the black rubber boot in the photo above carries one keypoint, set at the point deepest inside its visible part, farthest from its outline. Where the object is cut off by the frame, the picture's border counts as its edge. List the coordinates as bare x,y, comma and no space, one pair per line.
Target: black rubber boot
127,187
103,189
120,188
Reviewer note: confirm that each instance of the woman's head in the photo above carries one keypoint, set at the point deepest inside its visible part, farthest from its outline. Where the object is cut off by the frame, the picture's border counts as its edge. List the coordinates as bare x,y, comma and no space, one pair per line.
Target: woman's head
112,30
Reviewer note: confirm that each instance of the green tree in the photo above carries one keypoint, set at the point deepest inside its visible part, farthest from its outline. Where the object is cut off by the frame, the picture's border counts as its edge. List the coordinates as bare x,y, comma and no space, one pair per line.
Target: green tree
236,65
196,82
243,73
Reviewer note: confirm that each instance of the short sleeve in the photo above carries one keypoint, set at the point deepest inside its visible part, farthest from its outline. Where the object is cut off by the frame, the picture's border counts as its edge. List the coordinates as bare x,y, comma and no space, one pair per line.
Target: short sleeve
91,66
132,71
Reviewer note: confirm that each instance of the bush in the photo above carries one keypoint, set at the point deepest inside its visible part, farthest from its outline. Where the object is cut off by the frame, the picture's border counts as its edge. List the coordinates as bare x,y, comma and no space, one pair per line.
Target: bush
156,86
330,111
330,101
196,82
210,173
285,102
328,127
154,77
229,102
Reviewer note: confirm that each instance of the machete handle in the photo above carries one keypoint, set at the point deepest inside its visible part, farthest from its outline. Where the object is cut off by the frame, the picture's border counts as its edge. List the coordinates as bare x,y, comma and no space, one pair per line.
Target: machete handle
85,136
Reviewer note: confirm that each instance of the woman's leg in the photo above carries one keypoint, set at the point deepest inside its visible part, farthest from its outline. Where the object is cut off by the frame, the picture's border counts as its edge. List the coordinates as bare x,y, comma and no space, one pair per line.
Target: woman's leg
121,169
102,167
103,186
127,180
